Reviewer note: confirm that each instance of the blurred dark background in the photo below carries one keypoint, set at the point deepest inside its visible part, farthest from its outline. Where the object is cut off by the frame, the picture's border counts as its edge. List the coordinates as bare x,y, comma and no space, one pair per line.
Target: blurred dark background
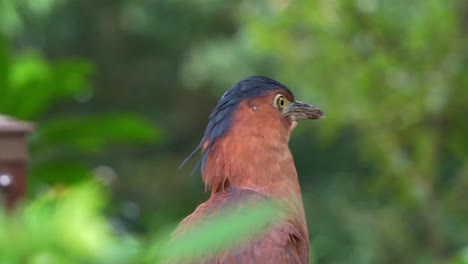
120,92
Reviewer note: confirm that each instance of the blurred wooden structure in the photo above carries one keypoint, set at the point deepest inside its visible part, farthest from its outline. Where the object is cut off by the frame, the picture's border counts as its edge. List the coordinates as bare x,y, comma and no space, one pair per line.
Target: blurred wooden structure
13,159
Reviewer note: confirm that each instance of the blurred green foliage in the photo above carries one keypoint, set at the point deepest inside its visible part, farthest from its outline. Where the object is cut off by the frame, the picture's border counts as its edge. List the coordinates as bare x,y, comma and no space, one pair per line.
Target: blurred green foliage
384,176
63,225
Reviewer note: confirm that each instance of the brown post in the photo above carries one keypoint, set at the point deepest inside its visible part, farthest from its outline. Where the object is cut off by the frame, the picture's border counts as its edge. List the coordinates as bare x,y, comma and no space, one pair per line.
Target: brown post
13,159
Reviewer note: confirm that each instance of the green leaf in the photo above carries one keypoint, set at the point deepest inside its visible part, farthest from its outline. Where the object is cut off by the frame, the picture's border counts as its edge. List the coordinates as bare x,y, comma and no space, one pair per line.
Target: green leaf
36,84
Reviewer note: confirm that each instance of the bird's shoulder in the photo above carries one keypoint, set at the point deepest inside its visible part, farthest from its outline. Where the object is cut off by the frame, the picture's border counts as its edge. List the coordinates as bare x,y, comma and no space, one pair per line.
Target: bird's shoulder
281,242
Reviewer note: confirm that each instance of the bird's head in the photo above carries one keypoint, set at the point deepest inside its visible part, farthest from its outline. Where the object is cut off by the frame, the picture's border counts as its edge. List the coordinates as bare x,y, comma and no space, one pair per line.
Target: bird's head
254,110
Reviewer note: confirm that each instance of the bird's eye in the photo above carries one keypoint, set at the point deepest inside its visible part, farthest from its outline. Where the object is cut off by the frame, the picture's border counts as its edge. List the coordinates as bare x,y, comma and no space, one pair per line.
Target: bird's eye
280,102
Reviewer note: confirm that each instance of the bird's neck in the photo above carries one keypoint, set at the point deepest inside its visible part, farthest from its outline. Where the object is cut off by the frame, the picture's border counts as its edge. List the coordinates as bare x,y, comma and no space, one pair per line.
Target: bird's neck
253,161
257,157
266,166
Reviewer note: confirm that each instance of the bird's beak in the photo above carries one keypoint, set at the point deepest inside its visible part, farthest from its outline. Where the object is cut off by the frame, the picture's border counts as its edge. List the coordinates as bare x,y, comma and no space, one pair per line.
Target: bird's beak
300,111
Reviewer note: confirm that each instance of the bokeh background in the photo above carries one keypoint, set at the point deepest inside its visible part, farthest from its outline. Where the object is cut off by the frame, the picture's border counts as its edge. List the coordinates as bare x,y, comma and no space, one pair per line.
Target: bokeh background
120,92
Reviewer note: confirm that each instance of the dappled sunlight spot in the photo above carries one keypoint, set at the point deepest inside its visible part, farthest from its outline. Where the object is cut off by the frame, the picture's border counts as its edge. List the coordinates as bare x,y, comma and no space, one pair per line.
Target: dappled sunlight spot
130,210
105,175
367,6
5,180
279,5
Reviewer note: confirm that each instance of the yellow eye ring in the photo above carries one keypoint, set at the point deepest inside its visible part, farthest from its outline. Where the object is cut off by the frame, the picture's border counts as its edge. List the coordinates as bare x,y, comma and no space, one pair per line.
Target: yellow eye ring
280,101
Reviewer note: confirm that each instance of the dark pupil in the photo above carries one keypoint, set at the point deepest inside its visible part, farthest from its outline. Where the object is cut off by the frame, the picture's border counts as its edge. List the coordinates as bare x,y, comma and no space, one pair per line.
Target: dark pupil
281,102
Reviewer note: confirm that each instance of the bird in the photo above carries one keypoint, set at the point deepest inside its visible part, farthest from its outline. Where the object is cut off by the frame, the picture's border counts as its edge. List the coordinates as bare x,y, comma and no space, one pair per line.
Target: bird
245,158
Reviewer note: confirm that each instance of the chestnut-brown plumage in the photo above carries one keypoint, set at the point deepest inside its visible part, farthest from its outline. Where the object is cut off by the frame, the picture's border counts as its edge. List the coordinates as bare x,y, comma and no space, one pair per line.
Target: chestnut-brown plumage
246,159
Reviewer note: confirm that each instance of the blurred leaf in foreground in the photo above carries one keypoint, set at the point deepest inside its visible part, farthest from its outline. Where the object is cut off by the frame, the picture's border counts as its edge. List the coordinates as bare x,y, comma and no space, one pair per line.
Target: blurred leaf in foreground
64,225
227,229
